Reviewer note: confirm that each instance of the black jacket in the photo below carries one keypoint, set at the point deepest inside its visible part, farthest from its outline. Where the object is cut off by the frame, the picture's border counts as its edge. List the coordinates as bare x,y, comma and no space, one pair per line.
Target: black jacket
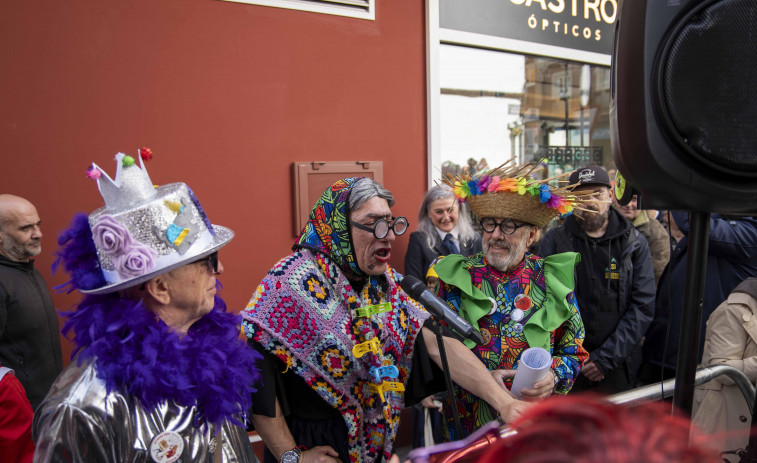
731,258
29,330
419,256
616,311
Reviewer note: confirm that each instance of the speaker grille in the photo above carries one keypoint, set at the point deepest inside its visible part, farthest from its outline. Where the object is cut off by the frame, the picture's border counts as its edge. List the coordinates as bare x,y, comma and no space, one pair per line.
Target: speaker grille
709,85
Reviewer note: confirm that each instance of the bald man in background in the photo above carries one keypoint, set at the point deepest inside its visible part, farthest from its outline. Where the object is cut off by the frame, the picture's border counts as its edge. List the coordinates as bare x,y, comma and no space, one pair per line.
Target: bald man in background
29,329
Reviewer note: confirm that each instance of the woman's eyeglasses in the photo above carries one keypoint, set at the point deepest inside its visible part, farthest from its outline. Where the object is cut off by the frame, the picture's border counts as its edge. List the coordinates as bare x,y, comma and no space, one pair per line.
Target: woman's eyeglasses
381,228
211,261
506,226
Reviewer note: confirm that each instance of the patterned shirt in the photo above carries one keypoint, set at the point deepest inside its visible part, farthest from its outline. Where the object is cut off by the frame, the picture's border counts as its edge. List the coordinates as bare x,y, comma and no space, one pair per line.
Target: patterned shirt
504,339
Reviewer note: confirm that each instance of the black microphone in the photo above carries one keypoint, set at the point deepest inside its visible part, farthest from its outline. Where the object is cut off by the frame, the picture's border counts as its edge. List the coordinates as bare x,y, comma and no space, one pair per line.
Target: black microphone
439,309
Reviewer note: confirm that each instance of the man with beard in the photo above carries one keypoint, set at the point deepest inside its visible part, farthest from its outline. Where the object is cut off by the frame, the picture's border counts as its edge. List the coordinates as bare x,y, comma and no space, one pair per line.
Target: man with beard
514,298
29,330
615,283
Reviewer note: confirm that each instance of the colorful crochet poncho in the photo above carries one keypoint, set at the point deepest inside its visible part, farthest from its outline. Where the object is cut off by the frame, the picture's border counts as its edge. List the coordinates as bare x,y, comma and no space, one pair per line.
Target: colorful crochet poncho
351,340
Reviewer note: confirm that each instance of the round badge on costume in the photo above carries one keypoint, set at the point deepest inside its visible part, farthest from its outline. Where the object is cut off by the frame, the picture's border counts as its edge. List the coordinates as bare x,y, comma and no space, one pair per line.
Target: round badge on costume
487,337
517,315
494,306
522,302
166,447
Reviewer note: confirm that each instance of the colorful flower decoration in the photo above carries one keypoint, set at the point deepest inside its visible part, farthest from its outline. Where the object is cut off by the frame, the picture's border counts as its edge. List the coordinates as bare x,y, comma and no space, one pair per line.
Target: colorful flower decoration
130,258
493,185
136,260
565,207
554,201
544,193
110,236
461,190
483,183
513,179
508,184
521,185
534,189
473,188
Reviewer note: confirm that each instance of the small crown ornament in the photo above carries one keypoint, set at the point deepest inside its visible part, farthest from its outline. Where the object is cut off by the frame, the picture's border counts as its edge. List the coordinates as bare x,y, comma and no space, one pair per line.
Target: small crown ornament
131,188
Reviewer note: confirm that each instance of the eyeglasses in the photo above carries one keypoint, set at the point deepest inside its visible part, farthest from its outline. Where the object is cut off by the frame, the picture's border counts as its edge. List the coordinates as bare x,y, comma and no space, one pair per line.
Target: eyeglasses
381,228
211,261
506,226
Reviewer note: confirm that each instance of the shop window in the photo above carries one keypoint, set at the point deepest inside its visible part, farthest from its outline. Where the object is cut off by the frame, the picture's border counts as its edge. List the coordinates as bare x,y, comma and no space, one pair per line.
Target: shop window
364,9
496,105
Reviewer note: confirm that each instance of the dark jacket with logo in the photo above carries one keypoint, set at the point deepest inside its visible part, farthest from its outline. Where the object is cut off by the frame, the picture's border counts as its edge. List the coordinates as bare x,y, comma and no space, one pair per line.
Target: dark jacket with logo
731,258
29,330
615,288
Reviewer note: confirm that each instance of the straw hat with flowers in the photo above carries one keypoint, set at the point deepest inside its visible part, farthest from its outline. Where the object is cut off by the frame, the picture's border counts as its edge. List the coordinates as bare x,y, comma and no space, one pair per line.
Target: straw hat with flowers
508,192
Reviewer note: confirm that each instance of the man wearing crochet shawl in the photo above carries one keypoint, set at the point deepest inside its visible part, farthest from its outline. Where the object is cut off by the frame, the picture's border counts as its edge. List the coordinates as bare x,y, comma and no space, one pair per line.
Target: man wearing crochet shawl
515,299
341,338
160,374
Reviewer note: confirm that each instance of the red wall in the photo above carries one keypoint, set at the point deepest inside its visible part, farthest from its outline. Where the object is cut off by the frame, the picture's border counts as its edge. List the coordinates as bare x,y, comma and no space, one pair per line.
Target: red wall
227,96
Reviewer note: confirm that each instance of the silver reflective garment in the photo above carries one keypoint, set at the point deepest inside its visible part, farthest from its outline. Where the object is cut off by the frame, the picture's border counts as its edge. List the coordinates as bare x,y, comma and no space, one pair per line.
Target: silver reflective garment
80,422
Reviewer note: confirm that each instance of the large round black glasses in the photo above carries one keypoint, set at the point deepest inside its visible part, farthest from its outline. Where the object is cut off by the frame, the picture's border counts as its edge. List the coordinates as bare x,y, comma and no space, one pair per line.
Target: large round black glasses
381,228
506,226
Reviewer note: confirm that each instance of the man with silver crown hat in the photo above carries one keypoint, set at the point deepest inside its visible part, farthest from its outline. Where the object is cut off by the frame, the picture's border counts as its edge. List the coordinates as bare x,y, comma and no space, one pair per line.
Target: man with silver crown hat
159,372
515,299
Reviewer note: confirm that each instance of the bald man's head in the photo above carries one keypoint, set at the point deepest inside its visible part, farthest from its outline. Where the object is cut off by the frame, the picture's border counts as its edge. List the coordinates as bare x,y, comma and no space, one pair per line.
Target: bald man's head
20,232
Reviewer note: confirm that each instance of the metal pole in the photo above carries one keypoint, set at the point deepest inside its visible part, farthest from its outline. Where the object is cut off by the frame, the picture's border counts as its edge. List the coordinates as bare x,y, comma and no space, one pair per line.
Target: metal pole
750,455
447,377
688,345
664,390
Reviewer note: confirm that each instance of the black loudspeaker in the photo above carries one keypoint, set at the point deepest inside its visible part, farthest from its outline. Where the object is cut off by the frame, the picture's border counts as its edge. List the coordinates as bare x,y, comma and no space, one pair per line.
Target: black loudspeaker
683,103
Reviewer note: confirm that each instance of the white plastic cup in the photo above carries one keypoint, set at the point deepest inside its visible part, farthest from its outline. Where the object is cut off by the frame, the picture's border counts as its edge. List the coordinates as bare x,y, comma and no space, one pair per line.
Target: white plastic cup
534,364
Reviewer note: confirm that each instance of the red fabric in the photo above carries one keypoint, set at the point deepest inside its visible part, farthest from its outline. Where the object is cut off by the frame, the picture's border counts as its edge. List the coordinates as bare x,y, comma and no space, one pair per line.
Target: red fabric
16,414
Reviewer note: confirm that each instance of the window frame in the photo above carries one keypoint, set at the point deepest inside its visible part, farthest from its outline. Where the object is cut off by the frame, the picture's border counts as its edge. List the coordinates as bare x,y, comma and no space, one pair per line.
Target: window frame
333,7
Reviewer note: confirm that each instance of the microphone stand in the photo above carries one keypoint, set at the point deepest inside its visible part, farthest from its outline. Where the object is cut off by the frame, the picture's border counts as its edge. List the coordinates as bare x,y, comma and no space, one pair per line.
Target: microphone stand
437,328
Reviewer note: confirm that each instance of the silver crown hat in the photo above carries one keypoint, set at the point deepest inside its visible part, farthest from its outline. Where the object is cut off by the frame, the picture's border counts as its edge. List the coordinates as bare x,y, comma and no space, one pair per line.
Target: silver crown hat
145,230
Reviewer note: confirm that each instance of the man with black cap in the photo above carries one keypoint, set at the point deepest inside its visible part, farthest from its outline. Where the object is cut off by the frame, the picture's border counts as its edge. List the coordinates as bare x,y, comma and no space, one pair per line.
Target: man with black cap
615,283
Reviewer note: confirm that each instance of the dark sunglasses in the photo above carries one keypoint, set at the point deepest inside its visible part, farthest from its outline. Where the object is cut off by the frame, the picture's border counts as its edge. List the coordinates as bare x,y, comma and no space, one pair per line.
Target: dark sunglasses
211,260
506,226
381,228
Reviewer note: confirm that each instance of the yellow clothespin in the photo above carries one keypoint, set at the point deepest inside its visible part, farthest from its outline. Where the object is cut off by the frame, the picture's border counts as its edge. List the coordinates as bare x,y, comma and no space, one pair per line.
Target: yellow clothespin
373,345
386,386
370,310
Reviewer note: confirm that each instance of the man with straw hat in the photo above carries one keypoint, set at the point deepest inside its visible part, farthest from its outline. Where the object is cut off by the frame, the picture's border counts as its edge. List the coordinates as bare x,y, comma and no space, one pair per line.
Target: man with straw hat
160,373
615,283
514,298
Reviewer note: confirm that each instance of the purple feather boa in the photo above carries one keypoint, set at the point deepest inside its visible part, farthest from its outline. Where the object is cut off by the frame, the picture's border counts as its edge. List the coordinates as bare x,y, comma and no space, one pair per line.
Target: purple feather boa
137,353
78,255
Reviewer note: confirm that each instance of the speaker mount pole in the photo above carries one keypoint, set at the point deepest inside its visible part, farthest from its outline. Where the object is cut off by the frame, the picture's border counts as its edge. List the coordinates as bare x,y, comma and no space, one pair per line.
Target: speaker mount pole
691,321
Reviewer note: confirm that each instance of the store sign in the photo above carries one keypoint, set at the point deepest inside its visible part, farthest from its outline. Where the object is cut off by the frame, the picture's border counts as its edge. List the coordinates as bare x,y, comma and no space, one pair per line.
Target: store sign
585,25
576,156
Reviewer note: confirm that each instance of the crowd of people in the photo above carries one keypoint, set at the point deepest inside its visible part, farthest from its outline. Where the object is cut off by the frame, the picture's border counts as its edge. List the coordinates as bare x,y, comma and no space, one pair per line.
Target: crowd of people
334,349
